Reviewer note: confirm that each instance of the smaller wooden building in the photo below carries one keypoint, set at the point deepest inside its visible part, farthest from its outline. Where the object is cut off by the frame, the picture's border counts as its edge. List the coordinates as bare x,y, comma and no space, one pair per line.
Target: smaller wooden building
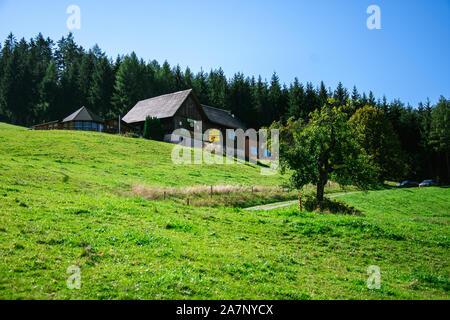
54,125
85,120
112,126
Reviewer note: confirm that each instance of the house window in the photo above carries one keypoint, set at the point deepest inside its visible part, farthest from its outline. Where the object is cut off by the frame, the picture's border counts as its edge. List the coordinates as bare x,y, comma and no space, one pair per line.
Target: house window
100,128
78,125
86,126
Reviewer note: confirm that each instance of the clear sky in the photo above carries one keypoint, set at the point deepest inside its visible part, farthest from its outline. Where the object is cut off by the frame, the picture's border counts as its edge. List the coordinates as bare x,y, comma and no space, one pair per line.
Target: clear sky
314,40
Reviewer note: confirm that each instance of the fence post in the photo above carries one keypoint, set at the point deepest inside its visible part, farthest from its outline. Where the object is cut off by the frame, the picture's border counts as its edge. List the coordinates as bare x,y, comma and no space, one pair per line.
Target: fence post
164,195
300,203
188,202
211,191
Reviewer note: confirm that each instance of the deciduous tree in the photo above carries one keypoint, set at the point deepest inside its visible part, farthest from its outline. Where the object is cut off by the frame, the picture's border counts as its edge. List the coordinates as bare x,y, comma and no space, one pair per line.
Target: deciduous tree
324,149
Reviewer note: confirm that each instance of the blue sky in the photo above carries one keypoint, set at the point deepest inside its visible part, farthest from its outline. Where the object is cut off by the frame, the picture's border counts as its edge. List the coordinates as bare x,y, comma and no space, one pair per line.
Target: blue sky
313,40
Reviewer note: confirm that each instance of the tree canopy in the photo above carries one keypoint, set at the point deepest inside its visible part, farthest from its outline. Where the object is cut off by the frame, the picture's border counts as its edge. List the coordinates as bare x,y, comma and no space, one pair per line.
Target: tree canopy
325,148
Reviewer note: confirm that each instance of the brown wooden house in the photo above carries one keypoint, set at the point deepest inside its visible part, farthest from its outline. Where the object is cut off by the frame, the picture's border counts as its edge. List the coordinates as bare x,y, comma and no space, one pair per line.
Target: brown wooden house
176,110
179,110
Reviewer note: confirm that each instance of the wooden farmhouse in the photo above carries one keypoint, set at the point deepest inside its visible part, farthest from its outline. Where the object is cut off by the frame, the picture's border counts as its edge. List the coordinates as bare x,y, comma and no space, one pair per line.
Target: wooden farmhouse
180,110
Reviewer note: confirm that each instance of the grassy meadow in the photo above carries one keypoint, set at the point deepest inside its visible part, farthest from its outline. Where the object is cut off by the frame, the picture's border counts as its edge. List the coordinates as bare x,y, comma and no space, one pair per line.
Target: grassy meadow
94,200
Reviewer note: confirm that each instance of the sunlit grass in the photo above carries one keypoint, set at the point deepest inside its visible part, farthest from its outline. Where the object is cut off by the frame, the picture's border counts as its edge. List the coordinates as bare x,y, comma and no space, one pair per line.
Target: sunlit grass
66,199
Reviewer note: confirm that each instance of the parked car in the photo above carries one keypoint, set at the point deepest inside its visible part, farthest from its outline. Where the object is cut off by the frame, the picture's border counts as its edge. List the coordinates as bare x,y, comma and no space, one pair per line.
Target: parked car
408,184
427,183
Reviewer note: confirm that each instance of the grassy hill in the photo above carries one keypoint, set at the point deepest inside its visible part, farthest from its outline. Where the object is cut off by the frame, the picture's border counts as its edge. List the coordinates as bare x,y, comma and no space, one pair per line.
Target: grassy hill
66,198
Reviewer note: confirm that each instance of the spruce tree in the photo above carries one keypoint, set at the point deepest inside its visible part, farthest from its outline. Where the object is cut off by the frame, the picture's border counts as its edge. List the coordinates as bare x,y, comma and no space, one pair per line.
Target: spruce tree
340,95
323,95
296,100
101,89
275,99
311,99
127,87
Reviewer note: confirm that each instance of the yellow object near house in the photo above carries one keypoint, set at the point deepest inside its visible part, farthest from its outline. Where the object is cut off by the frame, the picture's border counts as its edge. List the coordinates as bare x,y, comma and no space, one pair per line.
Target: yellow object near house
214,135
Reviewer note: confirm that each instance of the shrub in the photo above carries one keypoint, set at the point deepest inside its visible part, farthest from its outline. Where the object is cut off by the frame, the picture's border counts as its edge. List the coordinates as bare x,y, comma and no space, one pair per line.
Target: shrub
130,135
330,206
153,129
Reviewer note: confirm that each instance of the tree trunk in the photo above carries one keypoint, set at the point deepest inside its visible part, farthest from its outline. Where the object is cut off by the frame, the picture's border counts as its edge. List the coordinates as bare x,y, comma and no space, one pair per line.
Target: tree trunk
321,185
320,188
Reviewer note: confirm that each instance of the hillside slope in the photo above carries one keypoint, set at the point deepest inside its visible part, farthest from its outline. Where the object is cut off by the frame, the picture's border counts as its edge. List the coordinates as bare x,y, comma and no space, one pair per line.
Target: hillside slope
105,162
63,203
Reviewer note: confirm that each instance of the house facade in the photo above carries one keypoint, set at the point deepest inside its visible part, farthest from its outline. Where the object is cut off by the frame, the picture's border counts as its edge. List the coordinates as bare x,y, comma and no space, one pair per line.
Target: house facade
180,110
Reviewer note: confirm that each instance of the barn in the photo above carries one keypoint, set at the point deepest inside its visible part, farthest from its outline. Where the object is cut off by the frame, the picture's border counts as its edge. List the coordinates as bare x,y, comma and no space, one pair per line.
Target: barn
180,110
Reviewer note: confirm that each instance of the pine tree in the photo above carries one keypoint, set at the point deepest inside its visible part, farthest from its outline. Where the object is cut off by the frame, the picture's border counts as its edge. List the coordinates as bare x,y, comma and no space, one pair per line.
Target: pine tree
275,99
69,91
67,52
240,99
323,95
166,79
179,83
16,85
6,77
364,100
101,89
88,62
217,88
260,101
48,92
188,78
340,95
311,99
440,133
372,101
296,100
200,87
128,86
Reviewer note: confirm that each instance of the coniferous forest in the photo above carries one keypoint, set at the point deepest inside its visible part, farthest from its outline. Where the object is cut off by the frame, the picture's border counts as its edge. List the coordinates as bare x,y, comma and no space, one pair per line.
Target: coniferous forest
42,80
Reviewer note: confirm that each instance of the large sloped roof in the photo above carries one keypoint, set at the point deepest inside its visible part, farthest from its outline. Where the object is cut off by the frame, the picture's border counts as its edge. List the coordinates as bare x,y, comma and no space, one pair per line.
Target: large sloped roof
83,114
164,106
223,117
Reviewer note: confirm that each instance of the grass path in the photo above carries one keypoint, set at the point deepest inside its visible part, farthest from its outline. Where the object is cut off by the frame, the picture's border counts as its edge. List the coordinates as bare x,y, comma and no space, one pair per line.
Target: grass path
282,204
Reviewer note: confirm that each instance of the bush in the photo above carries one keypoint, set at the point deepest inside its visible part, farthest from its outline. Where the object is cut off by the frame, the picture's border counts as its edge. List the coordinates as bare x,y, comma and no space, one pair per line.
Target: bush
311,204
130,135
153,129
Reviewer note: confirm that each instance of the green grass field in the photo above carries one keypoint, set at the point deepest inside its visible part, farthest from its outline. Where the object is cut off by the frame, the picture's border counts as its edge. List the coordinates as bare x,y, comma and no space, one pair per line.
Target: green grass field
66,198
